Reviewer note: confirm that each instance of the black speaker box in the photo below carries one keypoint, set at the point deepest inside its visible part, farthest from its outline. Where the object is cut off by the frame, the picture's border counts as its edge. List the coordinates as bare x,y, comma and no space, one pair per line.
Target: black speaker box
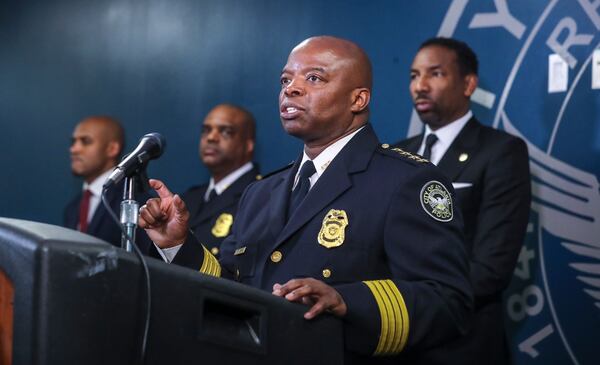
79,300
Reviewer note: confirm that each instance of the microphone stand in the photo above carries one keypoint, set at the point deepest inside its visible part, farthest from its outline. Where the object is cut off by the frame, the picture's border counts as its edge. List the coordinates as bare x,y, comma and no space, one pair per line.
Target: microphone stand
128,221
129,214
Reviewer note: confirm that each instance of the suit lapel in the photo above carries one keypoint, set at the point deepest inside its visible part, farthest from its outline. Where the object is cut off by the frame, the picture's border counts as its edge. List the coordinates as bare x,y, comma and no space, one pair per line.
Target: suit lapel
413,144
72,213
280,196
465,145
208,209
112,196
229,197
354,157
195,204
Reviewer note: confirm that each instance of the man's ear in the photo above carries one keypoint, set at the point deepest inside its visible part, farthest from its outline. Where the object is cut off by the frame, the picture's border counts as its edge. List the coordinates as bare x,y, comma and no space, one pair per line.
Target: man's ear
250,146
113,149
360,99
471,81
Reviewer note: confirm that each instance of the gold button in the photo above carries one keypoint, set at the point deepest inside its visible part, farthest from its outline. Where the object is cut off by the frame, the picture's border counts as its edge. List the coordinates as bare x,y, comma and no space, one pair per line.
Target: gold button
326,273
214,250
258,177
463,157
276,256
385,145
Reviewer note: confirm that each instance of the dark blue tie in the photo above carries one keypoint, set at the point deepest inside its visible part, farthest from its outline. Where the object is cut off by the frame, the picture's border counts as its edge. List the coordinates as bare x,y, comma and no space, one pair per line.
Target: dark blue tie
429,142
212,195
306,171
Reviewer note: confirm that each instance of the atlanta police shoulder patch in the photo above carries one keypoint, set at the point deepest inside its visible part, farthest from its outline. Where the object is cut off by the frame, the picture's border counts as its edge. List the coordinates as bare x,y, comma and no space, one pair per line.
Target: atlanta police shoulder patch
436,201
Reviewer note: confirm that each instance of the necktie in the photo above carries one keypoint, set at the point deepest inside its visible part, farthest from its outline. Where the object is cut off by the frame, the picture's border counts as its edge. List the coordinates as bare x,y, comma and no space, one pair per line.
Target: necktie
84,207
429,142
212,195
306,171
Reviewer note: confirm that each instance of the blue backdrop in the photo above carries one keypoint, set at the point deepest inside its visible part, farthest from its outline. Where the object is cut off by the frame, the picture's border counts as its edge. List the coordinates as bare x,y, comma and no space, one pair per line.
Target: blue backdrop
161,65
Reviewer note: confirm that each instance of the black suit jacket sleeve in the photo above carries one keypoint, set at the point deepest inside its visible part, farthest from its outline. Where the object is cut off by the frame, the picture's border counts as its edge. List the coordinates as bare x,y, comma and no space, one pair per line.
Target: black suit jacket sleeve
503,218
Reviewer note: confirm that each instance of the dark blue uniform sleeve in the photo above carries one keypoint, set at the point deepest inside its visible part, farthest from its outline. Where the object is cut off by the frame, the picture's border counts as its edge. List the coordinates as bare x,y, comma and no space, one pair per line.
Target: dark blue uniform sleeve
194,255
428,298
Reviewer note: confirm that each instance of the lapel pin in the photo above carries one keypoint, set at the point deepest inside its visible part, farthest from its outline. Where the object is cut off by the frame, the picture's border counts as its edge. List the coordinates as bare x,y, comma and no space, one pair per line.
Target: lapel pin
463,157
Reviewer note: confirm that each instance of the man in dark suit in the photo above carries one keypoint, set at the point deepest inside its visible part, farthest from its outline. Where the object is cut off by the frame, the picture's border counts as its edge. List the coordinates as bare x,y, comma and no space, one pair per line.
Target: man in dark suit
490,173
354,228
96,145
226,149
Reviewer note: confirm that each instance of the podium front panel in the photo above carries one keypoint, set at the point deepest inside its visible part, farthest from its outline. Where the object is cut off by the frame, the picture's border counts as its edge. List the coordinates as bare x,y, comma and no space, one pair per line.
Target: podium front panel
80,300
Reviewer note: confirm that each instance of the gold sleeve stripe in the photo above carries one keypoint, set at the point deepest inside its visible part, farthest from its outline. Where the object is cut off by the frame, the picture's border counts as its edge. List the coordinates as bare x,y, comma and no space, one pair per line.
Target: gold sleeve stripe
402,314
210,264
394,317
383,314
388,319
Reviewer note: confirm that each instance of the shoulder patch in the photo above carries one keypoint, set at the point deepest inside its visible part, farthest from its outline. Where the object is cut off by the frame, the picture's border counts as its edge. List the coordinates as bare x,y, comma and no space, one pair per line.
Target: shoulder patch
437,201
276,171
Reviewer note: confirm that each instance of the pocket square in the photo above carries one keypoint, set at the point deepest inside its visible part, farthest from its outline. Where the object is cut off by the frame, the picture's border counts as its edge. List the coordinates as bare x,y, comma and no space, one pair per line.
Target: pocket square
460,185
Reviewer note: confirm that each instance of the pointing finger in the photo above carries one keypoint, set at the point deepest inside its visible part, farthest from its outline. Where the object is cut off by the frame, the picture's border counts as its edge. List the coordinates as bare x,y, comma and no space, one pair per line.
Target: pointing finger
161,189
179,204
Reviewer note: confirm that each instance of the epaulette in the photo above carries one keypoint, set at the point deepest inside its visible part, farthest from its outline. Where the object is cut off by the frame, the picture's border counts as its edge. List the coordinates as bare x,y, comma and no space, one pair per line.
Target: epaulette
399,152
278,170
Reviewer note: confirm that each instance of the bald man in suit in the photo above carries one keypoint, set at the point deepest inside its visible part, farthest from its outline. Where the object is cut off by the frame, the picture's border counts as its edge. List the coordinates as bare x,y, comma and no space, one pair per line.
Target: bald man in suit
96,145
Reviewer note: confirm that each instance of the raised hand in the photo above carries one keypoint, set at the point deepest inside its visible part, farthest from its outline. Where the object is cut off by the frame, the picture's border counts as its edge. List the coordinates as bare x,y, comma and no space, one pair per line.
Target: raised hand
165,218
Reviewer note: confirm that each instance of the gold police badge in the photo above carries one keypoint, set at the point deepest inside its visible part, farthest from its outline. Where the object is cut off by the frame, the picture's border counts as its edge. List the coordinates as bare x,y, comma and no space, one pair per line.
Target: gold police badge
436,201
222,225
332,231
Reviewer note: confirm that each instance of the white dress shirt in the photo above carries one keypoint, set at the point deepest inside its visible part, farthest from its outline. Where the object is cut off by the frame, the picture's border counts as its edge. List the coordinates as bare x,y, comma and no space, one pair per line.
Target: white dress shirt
446,135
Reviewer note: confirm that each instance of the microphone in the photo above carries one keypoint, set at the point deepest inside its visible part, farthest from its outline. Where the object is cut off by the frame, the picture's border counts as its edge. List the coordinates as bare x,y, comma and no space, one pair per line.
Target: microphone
151,146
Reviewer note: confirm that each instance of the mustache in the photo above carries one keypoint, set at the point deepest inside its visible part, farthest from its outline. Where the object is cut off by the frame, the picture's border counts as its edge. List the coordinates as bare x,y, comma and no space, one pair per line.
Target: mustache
421,96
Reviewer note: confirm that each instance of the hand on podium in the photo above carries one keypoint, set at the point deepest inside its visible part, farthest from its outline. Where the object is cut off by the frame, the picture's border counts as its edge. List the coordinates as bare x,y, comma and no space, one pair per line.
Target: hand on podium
320,296
165,218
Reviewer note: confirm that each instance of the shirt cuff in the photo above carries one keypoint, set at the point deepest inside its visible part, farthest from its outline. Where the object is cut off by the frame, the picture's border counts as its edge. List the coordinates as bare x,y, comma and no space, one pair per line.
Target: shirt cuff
168,253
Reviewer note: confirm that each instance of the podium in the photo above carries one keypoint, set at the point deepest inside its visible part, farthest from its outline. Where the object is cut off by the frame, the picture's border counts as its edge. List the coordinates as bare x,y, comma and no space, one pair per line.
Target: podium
69,298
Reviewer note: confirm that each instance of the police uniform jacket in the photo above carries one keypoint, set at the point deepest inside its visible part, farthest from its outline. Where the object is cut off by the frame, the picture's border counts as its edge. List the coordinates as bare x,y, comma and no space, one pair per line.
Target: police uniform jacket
363,228
211,221
491,171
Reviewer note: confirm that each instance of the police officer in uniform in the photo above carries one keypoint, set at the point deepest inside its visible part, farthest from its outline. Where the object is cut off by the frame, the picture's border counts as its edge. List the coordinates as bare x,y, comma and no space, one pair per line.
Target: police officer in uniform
355,228
226,149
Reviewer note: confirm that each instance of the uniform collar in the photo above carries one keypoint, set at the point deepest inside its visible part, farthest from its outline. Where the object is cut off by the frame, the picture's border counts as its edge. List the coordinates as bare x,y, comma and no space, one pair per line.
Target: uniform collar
222,185
324,158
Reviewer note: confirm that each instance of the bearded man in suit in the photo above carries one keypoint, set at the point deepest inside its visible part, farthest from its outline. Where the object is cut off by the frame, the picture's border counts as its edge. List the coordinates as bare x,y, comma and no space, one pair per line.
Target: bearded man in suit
489,170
